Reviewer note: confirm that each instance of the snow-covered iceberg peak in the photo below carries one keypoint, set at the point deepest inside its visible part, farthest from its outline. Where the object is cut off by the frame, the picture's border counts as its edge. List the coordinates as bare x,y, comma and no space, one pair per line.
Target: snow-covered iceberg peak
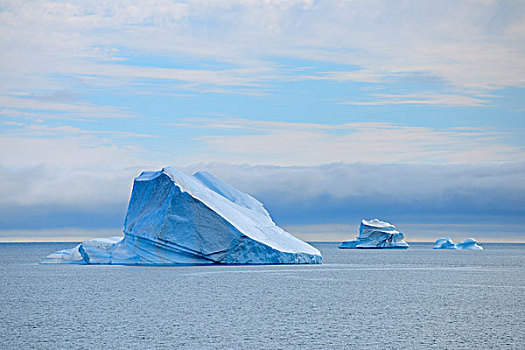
376,234
469,243
174,218
445,243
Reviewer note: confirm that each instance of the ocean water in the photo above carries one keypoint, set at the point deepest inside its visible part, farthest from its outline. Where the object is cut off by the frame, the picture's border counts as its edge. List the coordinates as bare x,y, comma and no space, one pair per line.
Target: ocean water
358,299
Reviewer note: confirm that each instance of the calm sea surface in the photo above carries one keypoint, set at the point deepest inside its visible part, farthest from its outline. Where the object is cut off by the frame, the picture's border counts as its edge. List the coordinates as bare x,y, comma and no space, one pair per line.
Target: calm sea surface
373,299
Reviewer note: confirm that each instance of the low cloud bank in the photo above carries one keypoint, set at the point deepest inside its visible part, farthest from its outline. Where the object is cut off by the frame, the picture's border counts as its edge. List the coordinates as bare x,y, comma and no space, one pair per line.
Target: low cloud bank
337,192
343,193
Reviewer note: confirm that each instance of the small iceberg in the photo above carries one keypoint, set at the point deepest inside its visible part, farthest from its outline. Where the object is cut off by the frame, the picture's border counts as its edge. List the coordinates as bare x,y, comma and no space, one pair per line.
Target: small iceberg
177,219
469,243
447,243
376,234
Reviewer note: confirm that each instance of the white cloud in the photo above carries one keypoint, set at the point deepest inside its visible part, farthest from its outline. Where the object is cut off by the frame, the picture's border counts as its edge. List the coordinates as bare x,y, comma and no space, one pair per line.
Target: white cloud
404,184
284,143
83,176
443,100
466,48
70,166
71,171
28,105
43,130
467,44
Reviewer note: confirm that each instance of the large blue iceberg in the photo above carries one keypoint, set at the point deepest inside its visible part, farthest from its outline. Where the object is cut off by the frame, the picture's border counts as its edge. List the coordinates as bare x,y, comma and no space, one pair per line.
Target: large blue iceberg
177,219
376,234
467,244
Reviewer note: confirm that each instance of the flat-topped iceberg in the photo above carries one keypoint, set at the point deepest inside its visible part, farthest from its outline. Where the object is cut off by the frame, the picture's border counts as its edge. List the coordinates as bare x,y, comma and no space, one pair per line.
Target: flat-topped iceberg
376,234
174,218
447,243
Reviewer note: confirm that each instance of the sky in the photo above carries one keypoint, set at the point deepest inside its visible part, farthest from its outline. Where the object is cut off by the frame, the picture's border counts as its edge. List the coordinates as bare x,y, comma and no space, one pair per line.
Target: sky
326,111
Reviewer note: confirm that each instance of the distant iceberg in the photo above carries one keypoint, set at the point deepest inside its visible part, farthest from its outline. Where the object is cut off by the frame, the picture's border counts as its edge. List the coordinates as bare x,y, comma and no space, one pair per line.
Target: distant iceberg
376,234
467,244
174,219
445,243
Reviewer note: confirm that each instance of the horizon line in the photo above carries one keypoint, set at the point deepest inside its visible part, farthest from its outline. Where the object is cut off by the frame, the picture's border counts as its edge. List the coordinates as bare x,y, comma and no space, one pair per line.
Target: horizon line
22,241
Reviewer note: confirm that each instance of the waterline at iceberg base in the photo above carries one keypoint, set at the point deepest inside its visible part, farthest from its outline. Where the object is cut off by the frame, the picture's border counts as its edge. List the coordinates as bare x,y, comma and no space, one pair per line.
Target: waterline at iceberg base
376,234
177,219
